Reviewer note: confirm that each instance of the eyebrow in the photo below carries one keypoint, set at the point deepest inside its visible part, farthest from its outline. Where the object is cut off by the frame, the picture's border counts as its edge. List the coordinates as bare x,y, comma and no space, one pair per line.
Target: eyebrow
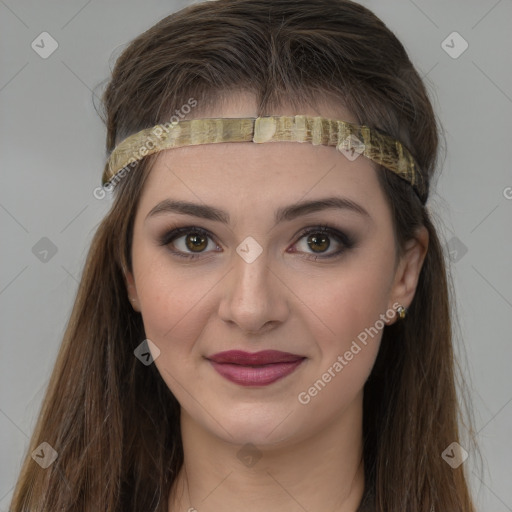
286,213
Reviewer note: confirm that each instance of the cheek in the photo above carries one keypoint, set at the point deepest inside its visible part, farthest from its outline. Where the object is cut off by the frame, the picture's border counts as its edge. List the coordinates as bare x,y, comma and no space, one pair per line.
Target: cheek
347,340
346,318
173,297
344,303
174,305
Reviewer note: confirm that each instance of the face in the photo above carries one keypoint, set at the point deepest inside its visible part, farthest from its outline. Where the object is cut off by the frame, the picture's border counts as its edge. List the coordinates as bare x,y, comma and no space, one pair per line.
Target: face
253,268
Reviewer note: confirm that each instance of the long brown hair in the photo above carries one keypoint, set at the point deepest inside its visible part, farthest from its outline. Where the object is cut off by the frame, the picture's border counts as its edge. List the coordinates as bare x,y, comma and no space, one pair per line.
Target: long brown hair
112,420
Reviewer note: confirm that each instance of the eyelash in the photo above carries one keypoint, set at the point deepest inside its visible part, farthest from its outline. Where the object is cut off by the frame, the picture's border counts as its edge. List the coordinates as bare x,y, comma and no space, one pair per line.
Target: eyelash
346,240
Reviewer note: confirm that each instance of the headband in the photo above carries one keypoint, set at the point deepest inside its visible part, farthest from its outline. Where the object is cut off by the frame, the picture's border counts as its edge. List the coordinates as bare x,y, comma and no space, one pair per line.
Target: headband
350,139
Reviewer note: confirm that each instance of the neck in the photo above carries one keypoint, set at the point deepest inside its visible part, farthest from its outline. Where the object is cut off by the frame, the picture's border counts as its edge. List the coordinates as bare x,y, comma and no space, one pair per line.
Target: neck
324,471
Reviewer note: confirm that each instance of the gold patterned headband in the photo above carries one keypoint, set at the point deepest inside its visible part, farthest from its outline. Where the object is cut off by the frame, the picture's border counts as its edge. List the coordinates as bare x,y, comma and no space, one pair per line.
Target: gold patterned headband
350,139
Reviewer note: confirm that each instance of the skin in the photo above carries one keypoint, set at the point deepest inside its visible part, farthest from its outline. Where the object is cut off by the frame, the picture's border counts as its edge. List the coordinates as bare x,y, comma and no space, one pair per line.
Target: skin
309,455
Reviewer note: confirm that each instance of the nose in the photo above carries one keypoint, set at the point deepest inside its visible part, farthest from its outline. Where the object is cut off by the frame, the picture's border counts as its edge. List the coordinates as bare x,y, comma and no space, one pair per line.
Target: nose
255,298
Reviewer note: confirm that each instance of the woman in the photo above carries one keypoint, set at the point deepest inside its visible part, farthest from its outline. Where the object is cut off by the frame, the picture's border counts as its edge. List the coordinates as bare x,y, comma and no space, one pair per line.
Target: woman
261,324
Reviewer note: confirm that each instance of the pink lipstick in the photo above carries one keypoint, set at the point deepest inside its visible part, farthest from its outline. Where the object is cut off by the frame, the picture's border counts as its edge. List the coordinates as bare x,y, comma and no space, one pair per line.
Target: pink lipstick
255,369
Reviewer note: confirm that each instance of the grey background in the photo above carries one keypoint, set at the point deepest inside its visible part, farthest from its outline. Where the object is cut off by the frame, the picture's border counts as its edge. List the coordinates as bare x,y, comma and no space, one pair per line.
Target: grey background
52,149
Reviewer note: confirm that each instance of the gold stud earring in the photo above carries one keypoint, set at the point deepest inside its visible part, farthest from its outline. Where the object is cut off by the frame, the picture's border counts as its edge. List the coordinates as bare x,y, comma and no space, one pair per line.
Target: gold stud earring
401,311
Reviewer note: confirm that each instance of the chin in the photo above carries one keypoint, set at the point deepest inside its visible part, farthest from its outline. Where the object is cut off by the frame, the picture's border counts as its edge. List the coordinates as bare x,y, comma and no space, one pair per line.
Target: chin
258,424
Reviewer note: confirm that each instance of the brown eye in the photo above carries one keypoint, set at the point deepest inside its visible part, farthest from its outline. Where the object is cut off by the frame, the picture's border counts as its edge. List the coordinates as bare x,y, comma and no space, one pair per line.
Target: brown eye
195,241
318,242
189,242
318,239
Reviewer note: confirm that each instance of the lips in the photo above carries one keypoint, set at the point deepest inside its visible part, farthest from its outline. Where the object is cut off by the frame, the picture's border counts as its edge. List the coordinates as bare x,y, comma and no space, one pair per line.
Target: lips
254,359
255,369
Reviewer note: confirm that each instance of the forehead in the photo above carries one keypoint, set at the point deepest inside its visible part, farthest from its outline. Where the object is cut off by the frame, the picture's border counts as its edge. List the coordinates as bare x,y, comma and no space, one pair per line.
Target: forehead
251,177
248,176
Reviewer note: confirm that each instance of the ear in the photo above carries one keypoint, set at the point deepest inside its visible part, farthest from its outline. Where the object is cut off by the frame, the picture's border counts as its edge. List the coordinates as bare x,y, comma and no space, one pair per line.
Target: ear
131,289
408,270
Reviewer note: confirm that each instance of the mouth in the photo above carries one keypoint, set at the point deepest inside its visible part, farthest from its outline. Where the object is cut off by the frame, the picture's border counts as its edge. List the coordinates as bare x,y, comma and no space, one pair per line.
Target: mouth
255,369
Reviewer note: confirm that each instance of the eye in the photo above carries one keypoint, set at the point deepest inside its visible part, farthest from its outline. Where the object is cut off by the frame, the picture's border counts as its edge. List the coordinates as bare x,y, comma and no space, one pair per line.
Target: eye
318,239
191,242
195,240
